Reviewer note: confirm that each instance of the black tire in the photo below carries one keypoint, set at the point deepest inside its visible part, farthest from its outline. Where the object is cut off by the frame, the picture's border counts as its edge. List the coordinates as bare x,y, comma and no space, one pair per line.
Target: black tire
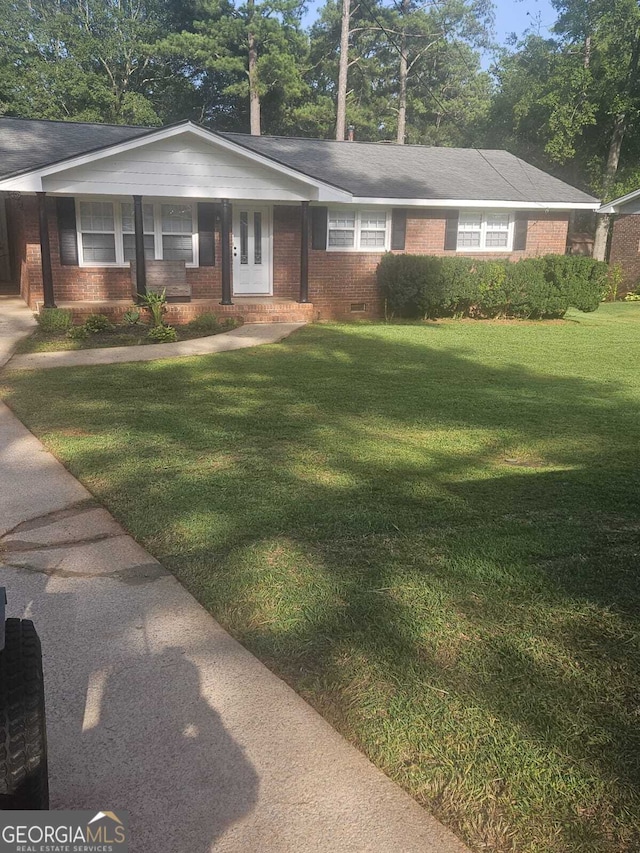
23,736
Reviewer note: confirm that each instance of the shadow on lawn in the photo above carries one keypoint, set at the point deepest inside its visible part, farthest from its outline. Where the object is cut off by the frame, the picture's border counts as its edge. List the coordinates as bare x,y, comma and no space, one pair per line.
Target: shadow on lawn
359,511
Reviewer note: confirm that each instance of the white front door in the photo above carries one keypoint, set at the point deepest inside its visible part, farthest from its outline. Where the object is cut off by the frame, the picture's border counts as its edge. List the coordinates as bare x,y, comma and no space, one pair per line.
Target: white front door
251,250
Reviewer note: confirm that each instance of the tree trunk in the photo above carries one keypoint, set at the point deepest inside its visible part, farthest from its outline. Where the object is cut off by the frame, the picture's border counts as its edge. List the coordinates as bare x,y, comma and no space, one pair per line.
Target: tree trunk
402,92
613,158
254,96
402,78
341,104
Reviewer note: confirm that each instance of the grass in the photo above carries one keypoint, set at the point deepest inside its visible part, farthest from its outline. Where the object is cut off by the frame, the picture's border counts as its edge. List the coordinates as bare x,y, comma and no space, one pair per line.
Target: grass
431,532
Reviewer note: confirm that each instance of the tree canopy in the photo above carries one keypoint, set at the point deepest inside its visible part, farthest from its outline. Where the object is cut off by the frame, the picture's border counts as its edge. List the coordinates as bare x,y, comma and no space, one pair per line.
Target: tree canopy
416,73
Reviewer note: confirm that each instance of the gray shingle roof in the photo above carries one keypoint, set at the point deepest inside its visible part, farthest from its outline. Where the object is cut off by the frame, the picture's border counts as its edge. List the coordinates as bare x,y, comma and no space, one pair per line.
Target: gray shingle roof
27,144
378,170
367,169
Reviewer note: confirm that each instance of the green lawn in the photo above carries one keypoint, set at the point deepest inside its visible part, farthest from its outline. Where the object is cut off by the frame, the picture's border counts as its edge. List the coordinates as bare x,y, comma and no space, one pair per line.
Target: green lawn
432,532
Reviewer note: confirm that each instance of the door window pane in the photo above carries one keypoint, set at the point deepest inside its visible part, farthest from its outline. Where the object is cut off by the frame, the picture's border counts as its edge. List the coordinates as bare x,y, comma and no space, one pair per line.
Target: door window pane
244,237
257,237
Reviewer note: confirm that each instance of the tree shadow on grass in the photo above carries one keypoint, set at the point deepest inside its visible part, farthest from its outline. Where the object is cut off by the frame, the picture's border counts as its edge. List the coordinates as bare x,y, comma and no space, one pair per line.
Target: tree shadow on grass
439,553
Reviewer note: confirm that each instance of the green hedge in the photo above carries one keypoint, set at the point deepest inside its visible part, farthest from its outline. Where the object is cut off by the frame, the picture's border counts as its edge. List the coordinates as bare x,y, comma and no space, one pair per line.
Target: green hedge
535,288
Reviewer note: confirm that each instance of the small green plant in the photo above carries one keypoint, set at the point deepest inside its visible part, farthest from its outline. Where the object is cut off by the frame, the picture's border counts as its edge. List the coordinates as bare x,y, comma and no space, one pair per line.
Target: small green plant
77,333
163,334
55,321
131,317
205,324
96,323
614,280
632,297
156,304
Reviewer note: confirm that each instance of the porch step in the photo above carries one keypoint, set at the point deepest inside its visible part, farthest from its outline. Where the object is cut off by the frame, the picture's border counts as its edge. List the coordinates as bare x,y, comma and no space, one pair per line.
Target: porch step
261,310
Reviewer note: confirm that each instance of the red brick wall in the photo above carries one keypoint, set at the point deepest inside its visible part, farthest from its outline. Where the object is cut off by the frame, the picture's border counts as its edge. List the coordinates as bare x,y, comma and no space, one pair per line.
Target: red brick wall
546,235
625,249
337,281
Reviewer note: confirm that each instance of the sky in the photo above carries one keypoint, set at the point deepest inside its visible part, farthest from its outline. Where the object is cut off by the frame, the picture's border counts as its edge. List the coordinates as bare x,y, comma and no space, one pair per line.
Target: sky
511,16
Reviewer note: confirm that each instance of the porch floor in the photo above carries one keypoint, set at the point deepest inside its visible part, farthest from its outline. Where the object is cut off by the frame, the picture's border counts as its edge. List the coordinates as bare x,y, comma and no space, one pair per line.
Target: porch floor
250,309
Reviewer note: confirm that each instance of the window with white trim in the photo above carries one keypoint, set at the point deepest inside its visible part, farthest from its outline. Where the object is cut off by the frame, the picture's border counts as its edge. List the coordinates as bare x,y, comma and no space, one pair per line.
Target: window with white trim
482,231
106,232
350,229
98,232
128,229
177,232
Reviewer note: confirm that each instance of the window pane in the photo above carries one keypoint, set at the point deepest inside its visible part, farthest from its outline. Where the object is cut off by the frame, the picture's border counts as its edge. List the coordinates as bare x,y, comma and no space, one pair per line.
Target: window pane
342,219
127,217
96,216
497,238
244,237
129,243
341,238
496,221
470,222
372,220
257,237
99,247
177,248
372,238
468,239
176,219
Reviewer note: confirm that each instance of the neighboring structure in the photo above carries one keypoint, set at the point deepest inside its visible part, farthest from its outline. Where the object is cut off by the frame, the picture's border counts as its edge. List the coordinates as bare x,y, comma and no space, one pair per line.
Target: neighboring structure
625,237
270,227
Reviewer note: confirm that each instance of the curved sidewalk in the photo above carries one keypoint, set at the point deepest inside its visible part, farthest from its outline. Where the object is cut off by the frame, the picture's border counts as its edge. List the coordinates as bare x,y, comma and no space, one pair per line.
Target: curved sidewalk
153,708
249,335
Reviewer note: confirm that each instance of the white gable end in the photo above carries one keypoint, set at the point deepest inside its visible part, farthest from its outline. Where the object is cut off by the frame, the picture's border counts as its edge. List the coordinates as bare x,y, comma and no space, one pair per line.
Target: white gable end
182,166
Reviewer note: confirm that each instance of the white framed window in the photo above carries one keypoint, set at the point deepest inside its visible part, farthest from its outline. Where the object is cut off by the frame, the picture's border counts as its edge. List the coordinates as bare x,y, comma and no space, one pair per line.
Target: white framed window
98,232
485,231
177,232
106,232
128,229
353,230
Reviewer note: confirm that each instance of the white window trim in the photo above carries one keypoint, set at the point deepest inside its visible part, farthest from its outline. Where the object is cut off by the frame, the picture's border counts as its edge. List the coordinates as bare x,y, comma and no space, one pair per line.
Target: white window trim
117,219
373,250
493,250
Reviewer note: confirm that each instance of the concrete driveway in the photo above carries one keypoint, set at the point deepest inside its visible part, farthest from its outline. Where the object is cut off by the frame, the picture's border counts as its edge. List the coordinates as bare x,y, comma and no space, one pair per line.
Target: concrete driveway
154,709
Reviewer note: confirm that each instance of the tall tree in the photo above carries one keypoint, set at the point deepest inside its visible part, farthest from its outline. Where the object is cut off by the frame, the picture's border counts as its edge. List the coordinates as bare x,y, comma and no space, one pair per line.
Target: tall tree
241,56
573,100
420,28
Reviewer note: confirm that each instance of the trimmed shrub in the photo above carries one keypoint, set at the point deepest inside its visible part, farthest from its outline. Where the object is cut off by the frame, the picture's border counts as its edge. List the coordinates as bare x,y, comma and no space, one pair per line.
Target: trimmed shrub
162,334
536,288
96,323
55,321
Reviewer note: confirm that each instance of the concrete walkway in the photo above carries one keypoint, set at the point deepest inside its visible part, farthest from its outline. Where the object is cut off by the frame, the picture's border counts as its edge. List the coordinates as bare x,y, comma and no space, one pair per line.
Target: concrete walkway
154,709
16,321
249,335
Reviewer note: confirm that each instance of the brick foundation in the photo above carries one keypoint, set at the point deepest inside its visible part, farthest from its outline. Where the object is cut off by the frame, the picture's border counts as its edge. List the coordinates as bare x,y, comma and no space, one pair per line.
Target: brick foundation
341,284
625,249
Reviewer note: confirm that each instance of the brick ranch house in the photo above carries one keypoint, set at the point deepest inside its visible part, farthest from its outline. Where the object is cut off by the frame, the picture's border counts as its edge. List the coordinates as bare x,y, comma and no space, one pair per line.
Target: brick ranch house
625,237
270,228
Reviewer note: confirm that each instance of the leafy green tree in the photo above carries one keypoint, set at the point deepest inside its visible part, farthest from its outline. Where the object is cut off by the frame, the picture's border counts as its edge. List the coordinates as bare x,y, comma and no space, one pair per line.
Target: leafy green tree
573,100
246,61
91,60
